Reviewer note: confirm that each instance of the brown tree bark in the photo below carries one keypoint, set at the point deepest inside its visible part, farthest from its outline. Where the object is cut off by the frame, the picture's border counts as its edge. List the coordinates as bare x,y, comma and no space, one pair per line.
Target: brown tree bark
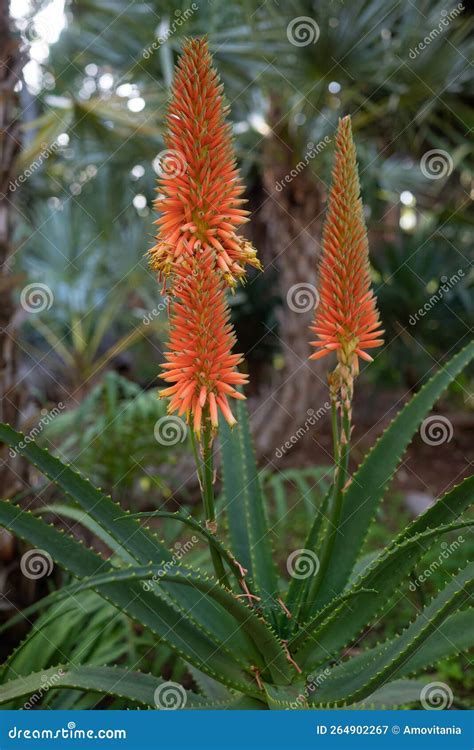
292,217
10,394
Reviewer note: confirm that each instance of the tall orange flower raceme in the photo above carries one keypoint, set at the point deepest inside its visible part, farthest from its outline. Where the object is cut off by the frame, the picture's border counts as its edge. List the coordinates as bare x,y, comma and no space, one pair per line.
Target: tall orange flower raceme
346,319
199,191
199,362
197,251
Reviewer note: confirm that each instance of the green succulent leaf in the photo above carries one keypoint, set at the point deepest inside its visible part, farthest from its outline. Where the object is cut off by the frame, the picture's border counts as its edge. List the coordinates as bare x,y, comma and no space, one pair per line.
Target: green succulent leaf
396,694
359,677
245,510
342,619
374,474
137,687
257,629
131,540
152,609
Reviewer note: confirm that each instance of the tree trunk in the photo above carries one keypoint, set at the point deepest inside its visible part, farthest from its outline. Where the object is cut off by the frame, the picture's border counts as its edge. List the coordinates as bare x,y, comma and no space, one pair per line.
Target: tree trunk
292,216
10,393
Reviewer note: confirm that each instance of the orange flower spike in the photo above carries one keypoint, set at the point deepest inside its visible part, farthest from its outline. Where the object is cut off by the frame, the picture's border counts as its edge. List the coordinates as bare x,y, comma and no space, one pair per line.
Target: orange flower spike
199,363
346,318
199,190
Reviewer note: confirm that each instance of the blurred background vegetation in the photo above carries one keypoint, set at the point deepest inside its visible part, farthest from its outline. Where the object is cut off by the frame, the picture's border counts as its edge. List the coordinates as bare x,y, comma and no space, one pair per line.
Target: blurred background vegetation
85,86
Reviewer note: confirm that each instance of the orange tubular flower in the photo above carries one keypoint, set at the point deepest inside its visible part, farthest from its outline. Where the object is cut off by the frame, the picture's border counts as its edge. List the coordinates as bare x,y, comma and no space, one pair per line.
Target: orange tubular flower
200,363
346,319
199,192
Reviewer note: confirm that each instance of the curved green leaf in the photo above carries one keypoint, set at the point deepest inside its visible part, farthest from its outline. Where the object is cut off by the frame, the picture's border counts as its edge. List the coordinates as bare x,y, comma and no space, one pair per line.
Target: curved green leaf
152,609
130,539
122,683
245,510
374,474
344,619
360,677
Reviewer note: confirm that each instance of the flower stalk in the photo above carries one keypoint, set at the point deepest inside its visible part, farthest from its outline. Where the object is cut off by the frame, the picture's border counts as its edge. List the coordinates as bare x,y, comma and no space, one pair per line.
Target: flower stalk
198,255
346,320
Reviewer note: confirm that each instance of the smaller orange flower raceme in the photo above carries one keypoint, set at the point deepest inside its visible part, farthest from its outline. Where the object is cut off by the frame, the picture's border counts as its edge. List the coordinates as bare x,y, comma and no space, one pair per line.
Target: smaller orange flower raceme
200,197
200,363
346,319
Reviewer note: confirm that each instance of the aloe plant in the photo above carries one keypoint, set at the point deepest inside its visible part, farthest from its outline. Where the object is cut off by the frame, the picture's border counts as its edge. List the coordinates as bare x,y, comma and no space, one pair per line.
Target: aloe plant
261,657
250,637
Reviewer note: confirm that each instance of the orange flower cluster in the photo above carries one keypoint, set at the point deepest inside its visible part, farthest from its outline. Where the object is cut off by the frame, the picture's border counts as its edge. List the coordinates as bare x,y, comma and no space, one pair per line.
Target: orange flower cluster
346,318
197,247
199,190
200,364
